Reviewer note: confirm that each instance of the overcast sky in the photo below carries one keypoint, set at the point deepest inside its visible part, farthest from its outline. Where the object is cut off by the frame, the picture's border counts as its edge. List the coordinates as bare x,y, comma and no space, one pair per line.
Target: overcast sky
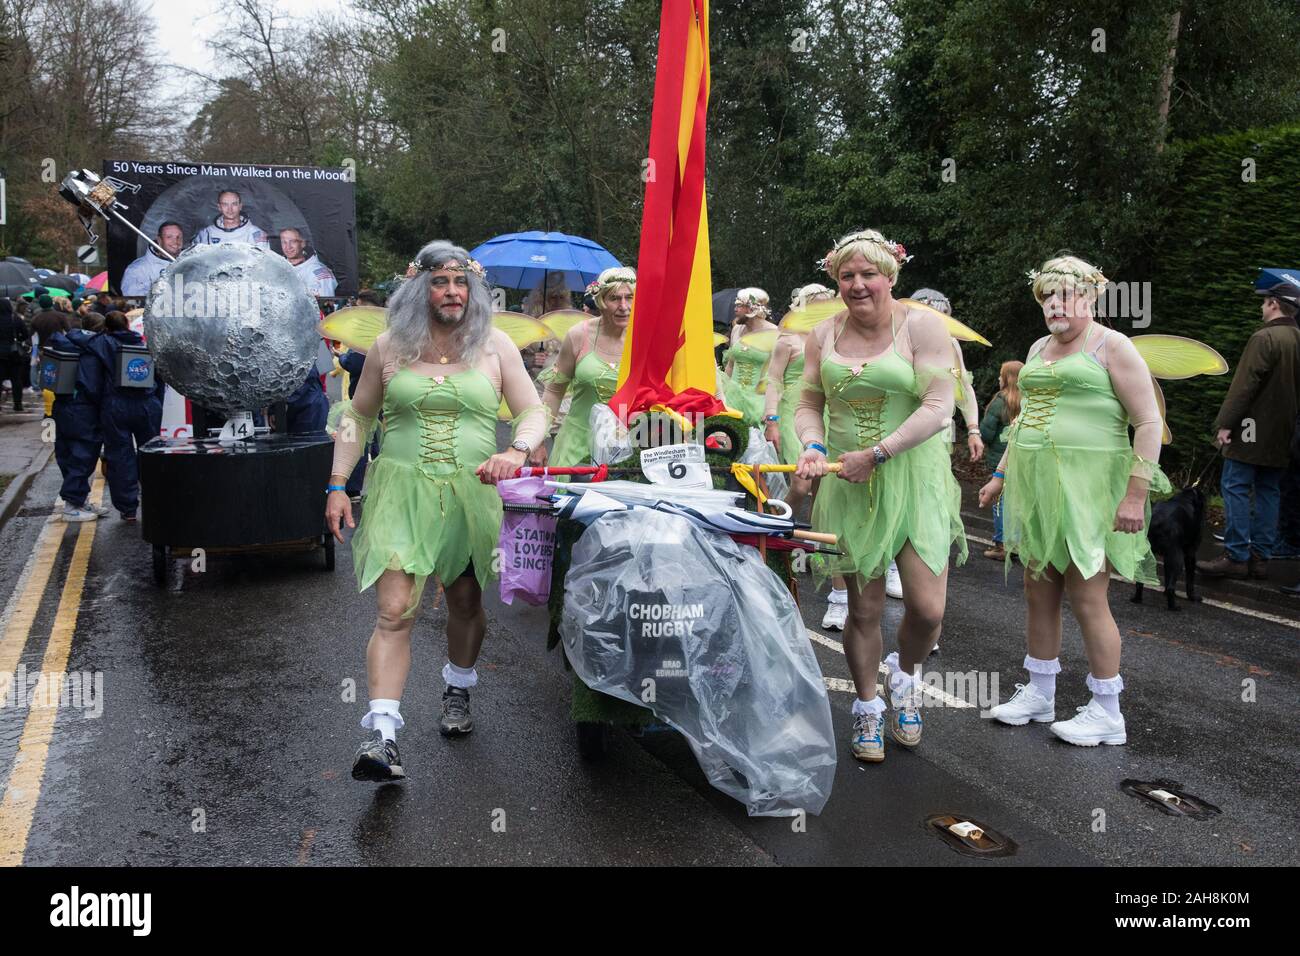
185,26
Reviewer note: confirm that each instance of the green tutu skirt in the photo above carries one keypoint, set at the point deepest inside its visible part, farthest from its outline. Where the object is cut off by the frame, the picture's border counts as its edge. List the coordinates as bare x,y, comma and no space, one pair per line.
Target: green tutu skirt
749,403
1059,509
425,526
913,497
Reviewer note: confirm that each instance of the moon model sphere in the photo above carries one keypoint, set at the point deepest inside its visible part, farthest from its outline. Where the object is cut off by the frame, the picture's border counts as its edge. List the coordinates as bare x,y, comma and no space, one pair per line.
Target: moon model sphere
231,327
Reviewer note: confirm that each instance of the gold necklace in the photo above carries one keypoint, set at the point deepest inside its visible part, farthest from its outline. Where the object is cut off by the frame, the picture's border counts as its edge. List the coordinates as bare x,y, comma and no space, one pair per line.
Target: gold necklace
442,356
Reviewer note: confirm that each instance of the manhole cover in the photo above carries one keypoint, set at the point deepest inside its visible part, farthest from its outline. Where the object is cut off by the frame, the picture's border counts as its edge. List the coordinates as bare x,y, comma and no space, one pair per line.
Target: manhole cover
1169,797
969,836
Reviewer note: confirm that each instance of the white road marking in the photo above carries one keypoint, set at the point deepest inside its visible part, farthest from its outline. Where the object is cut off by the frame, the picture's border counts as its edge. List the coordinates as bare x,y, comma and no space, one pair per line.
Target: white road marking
1222,605
835,683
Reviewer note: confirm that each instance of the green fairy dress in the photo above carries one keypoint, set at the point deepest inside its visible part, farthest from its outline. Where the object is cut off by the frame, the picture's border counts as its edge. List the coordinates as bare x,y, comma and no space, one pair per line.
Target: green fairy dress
791,387
594,381
426,512
911,497
743,391
1068,466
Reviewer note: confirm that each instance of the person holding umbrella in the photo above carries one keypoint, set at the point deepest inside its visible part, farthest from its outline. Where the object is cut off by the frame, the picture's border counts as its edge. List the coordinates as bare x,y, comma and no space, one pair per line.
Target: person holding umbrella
882,374
439,374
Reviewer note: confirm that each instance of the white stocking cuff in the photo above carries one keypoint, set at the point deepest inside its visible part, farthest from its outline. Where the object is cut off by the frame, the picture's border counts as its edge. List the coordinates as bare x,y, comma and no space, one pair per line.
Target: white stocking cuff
459,677
1111,685
1036,666
386,708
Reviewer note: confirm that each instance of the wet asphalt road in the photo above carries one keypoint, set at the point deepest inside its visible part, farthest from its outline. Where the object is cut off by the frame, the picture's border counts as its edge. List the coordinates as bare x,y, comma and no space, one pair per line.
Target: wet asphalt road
225,736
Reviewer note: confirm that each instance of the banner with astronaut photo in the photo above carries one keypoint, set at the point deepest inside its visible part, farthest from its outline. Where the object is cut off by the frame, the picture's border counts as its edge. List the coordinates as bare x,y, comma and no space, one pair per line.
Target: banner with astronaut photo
305,213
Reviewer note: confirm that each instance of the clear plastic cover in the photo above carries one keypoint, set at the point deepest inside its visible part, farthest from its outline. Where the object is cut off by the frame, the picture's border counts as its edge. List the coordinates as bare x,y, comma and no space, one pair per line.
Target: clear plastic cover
611,442
760,451
694,626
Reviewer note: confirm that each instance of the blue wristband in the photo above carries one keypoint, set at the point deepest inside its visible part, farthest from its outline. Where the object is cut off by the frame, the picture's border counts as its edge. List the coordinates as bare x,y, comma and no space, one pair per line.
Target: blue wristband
998,474
818,445
329,488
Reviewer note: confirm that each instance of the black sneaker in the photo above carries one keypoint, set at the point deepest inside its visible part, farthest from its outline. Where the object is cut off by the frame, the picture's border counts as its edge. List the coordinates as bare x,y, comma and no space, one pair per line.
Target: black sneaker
456,720
378,760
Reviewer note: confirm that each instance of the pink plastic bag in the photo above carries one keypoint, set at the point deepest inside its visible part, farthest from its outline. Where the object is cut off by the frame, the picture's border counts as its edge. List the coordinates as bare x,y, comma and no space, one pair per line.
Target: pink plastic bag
527,544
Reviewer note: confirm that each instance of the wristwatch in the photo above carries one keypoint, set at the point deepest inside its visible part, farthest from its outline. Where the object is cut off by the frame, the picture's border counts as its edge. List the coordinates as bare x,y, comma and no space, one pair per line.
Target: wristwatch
878,454
520,445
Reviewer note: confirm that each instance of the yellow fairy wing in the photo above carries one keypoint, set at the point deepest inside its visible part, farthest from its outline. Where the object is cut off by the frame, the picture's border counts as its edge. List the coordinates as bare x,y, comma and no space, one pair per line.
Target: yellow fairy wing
1166,436
562,320
357,326
1175,356
811,315
503,412
958,330
764,341
522,329
719,339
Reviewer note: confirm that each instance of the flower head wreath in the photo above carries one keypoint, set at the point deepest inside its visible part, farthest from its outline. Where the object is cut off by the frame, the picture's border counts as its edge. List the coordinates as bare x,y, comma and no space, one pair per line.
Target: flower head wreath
895,249
451,265
754,303
597,287
1093,279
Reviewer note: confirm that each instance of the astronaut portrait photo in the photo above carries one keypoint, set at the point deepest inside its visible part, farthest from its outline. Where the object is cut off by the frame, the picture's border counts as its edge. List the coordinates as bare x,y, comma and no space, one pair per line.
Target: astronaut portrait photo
230,224
144,272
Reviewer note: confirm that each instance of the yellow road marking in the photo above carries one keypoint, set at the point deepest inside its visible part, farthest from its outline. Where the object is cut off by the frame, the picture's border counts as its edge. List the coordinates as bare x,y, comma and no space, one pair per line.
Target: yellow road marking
26,599
18,806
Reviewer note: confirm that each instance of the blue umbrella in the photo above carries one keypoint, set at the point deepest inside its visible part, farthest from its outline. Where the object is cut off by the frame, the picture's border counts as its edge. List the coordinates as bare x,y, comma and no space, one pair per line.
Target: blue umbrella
524,260
1280,283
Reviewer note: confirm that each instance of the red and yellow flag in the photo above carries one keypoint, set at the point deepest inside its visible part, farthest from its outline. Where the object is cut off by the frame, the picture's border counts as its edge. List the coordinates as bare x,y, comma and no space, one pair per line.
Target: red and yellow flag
668,353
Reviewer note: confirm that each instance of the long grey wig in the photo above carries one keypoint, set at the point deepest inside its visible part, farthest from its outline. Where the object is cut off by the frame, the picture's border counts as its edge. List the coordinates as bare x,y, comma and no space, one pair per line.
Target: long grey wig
410,316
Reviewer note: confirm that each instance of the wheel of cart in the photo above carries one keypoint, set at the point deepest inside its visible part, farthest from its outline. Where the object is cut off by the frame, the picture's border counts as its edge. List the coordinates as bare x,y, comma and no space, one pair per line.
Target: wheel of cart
160,565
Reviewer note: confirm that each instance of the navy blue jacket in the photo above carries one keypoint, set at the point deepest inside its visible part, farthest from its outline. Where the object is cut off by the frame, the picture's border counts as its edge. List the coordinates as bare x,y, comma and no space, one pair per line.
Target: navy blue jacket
90,371
106,348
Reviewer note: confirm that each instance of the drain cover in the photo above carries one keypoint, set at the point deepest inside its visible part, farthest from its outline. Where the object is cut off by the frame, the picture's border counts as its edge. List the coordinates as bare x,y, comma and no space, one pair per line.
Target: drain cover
969,836
44,512
1170,798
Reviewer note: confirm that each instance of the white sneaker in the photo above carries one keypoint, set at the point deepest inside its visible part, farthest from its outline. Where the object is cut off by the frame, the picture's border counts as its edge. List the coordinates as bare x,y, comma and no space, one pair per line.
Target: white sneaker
79,514
98,509
1027,704
893,584
1091,726
836,616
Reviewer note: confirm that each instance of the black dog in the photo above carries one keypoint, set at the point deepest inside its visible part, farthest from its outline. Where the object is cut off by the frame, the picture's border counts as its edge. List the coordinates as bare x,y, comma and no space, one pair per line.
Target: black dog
1175,536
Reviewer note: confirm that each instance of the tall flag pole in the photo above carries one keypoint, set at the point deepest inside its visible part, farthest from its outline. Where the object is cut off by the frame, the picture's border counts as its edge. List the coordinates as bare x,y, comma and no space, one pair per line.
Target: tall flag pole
668,354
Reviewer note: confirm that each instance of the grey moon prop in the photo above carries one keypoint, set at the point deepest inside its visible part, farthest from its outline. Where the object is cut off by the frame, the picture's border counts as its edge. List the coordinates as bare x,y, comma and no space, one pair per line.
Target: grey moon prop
230,327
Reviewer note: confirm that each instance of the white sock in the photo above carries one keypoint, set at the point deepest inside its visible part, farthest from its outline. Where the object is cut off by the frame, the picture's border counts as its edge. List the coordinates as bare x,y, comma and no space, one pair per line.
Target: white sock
384,716
464,677
838,596
900,681
1042,675
874,706
1106,693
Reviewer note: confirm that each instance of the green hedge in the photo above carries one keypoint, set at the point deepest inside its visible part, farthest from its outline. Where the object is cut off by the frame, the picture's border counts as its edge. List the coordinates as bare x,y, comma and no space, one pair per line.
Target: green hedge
1220,231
